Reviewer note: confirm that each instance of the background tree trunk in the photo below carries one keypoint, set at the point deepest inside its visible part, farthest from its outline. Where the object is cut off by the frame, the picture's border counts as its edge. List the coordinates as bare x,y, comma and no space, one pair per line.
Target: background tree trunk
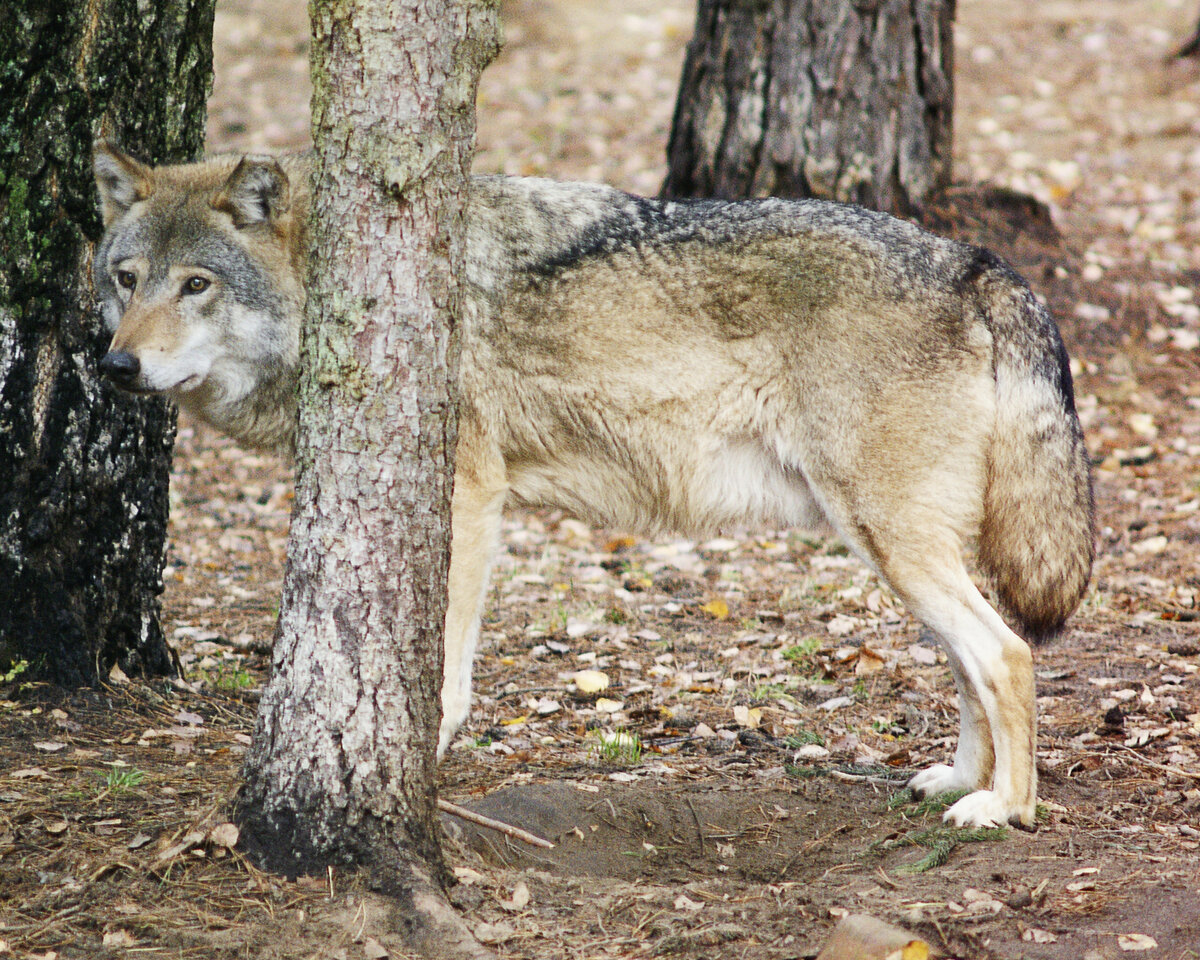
835,99
83,500
342,766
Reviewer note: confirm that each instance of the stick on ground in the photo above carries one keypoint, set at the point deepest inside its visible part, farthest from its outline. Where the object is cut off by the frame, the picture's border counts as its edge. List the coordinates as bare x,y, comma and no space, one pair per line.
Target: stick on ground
507,829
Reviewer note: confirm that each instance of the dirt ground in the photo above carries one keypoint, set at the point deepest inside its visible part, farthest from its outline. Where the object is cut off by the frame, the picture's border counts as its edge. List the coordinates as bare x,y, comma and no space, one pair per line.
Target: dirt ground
777,694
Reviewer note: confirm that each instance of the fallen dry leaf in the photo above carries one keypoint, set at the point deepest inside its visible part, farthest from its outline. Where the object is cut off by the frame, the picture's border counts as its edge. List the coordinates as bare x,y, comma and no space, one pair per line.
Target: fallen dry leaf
868,662
494,932
925,656
519,899
591,681
189,840
842,625
1136,941
1143,425
718,609
862,937
620,543
224,835
749,717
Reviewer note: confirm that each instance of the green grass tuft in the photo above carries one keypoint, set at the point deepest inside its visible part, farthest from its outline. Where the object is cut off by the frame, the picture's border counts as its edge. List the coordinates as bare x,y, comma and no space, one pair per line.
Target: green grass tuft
620,746
940,842
123,779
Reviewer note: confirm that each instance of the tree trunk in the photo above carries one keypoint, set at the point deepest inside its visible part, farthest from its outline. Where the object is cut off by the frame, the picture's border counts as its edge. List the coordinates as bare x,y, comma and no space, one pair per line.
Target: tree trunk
342,767
83,503
841,100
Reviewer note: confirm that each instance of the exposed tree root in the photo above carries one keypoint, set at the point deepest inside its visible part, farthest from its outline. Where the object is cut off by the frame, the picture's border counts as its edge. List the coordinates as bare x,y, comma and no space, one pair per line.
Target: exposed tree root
428,925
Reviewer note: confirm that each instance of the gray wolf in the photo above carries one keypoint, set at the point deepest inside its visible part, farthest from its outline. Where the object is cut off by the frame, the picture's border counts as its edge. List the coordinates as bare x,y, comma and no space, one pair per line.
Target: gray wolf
662,366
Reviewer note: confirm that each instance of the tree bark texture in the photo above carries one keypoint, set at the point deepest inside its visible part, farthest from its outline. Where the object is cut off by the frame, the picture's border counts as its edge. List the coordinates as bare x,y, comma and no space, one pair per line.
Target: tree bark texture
848,100
83,500
342,766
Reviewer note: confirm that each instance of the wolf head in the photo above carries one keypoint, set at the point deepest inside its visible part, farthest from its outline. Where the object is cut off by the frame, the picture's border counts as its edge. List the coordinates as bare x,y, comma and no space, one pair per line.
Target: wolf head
200,278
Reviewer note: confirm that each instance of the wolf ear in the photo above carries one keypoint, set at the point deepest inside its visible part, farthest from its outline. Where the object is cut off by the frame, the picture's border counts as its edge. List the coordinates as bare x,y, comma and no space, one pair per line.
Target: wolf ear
256,192
120,179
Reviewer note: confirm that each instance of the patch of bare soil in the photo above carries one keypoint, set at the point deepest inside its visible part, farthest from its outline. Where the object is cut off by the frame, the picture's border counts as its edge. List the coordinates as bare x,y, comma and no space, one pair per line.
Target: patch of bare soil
730,785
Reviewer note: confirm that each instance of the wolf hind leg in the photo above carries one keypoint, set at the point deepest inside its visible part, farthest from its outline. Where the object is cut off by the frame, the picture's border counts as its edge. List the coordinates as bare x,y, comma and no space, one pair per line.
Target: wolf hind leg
476,512
993,671
919,556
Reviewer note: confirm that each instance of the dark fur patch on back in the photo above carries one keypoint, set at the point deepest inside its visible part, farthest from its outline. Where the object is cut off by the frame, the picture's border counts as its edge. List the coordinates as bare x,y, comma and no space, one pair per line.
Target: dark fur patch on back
1049,353
639,220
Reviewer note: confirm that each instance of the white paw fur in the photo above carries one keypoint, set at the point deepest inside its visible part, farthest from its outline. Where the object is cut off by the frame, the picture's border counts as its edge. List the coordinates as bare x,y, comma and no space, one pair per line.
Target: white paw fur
939,778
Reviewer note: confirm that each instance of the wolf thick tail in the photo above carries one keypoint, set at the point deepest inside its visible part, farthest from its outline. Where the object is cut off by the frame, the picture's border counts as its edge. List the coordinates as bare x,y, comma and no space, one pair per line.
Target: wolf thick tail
1037,536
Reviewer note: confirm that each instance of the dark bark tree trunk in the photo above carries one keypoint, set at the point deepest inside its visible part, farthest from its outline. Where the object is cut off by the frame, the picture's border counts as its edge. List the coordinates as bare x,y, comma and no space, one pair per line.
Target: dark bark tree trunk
83,500
342,769
846,100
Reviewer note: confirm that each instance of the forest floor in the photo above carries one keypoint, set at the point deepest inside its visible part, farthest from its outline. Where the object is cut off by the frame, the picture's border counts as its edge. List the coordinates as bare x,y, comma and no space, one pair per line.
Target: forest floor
777,693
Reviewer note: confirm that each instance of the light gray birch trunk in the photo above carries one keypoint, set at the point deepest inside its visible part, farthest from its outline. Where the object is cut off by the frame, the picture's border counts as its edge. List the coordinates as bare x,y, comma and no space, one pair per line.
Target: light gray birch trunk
848,100
342,768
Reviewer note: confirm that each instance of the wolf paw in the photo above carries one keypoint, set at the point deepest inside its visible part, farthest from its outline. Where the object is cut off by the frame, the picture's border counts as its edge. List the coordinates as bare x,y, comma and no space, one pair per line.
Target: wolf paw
937,779
986,808
446,736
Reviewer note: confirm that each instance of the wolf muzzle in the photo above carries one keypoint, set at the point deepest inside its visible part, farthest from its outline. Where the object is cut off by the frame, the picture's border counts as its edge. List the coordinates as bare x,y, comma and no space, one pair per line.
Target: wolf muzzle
121,367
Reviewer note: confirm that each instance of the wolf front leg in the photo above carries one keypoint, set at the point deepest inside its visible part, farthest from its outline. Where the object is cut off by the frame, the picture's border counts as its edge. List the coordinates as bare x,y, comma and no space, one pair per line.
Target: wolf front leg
476,509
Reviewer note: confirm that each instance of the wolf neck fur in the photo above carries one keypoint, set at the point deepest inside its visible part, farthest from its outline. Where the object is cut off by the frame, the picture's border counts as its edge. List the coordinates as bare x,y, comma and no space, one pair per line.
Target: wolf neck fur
264,418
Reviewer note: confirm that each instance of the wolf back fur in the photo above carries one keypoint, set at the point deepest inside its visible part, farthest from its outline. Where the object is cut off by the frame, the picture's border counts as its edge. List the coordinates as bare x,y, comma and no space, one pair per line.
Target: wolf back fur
677,366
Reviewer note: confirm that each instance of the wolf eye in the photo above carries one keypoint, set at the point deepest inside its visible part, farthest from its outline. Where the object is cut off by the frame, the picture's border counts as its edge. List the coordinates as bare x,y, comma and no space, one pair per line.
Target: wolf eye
126,279
195,285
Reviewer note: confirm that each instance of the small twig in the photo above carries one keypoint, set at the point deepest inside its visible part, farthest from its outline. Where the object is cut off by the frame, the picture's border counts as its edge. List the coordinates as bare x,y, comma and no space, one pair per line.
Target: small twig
864,778
505,828
699,829
525,690
1146,761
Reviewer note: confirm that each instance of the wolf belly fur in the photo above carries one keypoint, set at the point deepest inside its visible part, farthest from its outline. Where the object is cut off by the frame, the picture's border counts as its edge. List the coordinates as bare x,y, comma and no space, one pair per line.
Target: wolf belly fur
662,366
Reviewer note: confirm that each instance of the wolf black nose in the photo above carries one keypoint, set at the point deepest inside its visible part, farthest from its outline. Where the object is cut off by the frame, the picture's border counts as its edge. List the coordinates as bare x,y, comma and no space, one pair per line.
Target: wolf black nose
120,366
